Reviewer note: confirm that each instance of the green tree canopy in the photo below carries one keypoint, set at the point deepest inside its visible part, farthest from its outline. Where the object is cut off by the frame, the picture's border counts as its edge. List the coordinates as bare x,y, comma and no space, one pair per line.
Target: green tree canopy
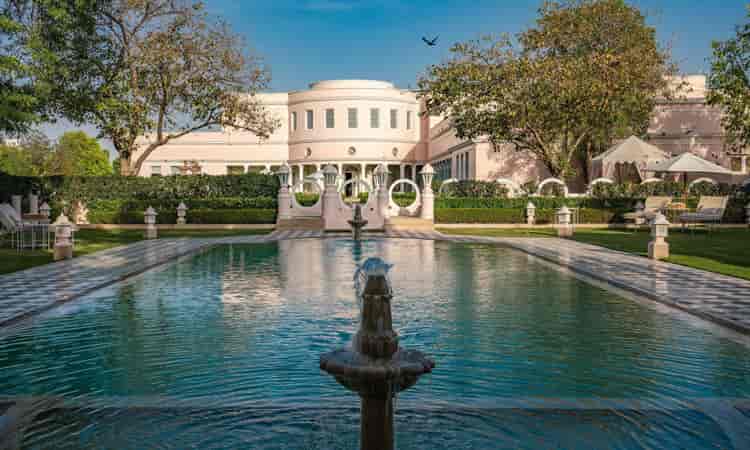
19,103
588,69
28,157
729,85
76,153
146,72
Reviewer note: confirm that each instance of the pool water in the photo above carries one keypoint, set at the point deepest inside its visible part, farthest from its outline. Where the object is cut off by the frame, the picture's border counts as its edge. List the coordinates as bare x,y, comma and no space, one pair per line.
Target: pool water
220,350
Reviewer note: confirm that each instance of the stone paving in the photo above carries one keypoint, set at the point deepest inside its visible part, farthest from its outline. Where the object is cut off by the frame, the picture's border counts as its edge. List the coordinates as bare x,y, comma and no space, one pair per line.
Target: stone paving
721,299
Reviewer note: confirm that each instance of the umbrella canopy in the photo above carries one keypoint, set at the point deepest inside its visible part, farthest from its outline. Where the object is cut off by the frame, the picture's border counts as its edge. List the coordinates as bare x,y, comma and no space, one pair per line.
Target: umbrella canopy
688,163
630,151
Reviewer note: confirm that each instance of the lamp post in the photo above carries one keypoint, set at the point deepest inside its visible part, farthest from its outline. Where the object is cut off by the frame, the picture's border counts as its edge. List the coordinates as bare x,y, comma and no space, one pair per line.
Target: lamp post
63,242
564,226
658,248
284,198
150,218
428,197
181,212
530,214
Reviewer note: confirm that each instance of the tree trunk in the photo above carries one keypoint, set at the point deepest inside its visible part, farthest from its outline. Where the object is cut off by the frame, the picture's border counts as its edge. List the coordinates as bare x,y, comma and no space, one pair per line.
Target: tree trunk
125,166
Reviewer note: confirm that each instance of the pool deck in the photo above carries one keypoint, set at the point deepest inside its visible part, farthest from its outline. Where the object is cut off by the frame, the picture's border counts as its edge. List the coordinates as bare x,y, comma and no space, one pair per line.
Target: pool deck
717,298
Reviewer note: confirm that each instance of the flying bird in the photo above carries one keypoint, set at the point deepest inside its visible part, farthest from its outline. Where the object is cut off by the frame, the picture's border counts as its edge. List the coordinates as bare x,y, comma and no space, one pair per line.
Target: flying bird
430,42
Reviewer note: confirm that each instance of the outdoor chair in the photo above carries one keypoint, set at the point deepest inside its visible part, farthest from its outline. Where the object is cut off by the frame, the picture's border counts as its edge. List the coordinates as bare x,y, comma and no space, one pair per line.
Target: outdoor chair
652,206
23,234
710,211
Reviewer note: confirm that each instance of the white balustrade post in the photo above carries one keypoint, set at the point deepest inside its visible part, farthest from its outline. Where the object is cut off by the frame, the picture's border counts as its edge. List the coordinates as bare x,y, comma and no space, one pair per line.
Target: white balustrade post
330,196
530,214
564,225
149,217
63,243
428,197
381,179
658,248
284,197
181,212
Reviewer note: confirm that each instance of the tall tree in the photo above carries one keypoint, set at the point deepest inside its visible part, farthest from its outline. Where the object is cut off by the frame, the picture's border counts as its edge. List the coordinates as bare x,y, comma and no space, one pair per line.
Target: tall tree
588,69
729,85
76,153
146,72
19,103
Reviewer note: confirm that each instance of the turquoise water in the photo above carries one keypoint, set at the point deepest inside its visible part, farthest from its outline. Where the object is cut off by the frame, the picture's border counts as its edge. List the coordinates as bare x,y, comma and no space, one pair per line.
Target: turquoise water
221,350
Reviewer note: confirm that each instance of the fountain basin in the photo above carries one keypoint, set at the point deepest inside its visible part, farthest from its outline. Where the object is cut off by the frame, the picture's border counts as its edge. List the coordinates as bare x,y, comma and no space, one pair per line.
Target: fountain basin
360,372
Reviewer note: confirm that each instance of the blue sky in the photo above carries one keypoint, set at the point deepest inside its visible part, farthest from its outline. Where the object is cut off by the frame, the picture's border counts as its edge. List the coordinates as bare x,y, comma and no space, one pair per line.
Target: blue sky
308,40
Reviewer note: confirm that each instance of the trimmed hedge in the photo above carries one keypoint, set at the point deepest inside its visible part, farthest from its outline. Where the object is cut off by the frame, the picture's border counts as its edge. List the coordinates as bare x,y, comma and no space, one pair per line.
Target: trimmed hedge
518,215
196,216
539,202
155,189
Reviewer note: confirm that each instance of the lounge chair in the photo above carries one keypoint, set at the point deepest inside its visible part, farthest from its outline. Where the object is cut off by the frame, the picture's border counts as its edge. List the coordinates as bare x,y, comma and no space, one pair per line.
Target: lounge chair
710,210
652,206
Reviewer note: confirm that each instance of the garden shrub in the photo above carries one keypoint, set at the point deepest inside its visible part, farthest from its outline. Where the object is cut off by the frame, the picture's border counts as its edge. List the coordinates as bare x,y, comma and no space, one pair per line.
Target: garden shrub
518,215
66,190
307,198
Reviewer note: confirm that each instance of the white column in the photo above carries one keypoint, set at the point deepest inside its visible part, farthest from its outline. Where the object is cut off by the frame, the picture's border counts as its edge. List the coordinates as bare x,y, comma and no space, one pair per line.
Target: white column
317,167
744,164
402,174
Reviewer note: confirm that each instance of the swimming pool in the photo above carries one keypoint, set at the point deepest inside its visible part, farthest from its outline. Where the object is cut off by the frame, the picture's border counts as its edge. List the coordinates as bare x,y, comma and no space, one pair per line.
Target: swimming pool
220,350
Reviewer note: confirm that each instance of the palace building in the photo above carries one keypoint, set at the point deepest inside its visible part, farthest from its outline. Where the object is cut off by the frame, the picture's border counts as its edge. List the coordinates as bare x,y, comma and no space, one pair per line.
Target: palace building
359,124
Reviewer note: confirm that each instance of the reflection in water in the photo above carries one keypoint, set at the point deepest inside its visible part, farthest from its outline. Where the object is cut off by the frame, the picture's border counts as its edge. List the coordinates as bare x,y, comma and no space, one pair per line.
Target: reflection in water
221,351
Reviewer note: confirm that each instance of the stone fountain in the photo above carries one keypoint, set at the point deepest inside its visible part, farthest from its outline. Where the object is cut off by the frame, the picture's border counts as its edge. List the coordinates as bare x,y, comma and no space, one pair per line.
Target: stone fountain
357,223
375,367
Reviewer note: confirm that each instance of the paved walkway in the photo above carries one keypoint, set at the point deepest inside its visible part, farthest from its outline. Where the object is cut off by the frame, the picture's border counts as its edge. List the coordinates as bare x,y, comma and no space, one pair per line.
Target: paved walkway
718,298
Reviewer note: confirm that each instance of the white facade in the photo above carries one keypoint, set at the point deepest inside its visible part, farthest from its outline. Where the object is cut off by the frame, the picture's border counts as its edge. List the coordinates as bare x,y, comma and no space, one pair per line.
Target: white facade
357,124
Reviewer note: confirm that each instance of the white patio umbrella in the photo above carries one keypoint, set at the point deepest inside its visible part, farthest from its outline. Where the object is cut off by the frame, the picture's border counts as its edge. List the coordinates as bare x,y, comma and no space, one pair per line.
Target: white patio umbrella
686,164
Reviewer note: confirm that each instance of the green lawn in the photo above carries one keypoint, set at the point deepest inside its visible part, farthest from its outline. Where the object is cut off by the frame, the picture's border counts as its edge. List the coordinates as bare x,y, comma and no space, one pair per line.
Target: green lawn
724,251
90,241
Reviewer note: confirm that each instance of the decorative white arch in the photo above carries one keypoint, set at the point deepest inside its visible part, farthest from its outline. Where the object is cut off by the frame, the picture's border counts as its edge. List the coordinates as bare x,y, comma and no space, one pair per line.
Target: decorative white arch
411,210
651,180
359,181
702,180
446,183
553,181
604,180
514,187
306,211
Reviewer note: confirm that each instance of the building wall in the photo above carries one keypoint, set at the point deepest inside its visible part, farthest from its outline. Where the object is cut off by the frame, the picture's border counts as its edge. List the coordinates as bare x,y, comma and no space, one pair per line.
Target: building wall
683,124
